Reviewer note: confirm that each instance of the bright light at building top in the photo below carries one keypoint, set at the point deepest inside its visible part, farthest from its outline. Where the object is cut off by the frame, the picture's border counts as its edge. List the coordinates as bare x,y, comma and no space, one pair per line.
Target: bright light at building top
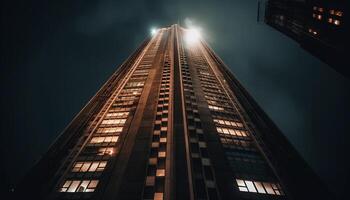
154,31
192,35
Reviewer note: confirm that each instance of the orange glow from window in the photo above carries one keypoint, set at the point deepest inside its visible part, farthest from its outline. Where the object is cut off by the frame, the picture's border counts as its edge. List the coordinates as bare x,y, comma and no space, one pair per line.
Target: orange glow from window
339,13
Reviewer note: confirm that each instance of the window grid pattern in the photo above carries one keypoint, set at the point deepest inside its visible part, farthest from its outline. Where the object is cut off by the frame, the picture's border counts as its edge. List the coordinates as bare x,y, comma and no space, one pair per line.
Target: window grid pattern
101,147
155,178
259,187
89,166
79,186
202,170
241,152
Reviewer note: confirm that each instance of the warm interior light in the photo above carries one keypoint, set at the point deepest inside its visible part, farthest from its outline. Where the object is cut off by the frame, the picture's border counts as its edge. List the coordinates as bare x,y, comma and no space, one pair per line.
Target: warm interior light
192,35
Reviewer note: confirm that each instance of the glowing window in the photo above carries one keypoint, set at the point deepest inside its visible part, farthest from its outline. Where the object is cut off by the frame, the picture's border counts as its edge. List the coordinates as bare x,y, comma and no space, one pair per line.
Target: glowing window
230,131
152,161
158,196
160,172
250,186
65,186
259,187
89,166
319,17
162,140
110,130
330,20
161,154
268,188
134,84
114,121
117,114
336,22
215,107
204,73
228,123
105,151
338,13
96,140
79,186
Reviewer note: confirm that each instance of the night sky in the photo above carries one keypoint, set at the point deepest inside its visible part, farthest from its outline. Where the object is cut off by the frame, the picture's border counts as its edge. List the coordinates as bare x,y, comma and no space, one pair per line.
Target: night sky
55,56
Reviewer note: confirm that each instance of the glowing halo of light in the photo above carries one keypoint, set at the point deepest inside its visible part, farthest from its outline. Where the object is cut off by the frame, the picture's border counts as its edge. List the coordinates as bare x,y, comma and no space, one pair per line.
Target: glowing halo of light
192,36
154,31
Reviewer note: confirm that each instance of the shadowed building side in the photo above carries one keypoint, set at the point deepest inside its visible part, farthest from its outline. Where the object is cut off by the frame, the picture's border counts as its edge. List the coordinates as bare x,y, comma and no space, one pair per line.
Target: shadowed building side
321,27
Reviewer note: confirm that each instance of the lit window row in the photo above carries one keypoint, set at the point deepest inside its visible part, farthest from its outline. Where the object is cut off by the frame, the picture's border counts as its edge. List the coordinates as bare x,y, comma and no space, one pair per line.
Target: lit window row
319,9
113,121
334,21
230,131
228,122
204,73
106,139
134,84
259,187
221,103
123,103
131,91
211,107
110,130
336,12
117,114
312,31
79,186
105,151
96,166
319,17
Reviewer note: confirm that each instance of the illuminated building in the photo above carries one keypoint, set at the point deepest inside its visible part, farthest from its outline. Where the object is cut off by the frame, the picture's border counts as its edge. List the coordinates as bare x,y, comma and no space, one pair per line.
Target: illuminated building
320,26
172,123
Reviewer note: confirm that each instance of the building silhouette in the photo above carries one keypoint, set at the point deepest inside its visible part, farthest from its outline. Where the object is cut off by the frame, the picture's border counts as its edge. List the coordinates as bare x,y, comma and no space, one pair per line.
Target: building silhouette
321,27
172,123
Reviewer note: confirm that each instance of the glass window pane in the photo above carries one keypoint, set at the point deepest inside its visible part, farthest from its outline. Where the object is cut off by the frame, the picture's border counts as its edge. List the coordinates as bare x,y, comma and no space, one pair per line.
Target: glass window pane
85,167
93,184
268,188
93,167
250,186
73,186
259,187
240,182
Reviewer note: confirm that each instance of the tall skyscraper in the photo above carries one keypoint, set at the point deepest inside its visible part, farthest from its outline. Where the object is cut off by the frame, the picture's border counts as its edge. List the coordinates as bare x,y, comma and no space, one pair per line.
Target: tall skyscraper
321,27
172,123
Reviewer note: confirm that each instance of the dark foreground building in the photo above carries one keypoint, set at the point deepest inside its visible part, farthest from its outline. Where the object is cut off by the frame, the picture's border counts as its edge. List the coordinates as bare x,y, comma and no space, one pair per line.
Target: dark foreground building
320,26
172,123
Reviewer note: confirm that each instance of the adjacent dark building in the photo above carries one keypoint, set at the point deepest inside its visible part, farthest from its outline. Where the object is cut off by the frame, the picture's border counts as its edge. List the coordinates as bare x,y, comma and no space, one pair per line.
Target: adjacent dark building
320,26
172,123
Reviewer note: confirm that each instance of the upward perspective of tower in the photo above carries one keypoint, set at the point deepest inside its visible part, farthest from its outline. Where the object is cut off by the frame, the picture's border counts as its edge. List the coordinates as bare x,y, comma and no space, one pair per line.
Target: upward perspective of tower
172,123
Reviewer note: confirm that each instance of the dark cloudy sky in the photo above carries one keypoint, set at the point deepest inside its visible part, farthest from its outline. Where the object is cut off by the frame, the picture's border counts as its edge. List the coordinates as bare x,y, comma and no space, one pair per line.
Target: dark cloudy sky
55,56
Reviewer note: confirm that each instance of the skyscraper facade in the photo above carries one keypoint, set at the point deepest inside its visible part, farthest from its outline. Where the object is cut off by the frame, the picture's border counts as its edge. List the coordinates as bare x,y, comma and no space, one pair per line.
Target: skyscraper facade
320,26
172,123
